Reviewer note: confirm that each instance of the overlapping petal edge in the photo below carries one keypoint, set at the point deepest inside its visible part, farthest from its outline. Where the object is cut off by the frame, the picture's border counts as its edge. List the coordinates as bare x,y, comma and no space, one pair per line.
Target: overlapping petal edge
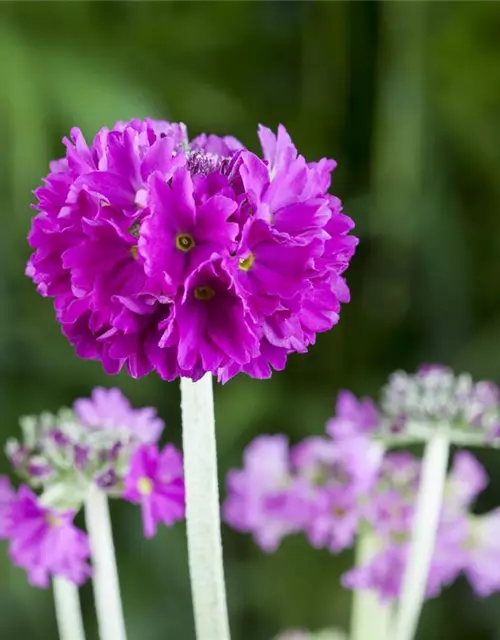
186,257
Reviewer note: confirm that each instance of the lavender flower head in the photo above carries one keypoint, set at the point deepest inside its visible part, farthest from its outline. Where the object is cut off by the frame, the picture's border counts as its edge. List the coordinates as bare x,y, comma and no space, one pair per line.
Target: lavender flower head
315,488
45,541
332,489
63,453
102,441
184,257
414,404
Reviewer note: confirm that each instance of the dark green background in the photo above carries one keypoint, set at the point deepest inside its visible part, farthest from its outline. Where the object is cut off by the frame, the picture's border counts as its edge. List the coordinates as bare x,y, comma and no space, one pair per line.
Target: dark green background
406,96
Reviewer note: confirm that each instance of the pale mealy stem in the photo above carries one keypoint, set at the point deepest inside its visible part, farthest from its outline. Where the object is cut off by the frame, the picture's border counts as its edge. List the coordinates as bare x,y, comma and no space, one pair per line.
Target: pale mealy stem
370,618
105,574
423,540
68,611
202,510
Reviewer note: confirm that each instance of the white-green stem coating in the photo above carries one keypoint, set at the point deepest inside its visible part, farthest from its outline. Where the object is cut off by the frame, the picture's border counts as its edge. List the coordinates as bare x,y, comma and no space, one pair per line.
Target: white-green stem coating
105,574
202,510
68,612
426,522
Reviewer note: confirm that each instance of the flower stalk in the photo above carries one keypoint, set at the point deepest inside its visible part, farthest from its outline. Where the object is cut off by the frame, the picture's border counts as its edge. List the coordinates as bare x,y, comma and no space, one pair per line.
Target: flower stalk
370,618
202,510
105,574
68,611
428,509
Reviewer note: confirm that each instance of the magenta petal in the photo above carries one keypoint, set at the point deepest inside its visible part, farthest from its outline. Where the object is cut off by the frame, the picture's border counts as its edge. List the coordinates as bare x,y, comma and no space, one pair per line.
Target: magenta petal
110,187
148,519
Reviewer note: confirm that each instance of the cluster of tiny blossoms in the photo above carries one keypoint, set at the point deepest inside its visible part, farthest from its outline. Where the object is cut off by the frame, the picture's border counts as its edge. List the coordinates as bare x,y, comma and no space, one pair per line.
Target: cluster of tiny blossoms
101,441
415,404
330,488
186,257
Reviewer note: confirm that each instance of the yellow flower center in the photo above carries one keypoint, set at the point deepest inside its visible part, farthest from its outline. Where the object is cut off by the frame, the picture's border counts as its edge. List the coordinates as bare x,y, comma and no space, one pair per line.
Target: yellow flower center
144,486
245,264
52,520
184,242
204,293
133,251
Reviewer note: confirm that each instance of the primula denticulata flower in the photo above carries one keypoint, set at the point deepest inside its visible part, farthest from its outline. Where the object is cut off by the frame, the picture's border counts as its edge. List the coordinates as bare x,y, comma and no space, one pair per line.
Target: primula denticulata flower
333,488
103,441
186,257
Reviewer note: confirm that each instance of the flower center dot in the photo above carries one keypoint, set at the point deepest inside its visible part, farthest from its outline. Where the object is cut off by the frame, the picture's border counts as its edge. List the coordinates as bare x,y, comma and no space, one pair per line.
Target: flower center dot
53,520
133,251
134,230
204,293
145,486
245,264
184,242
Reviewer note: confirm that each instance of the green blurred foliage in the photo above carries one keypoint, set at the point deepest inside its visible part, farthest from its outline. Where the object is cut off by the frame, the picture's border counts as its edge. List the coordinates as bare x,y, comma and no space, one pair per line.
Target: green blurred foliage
406,96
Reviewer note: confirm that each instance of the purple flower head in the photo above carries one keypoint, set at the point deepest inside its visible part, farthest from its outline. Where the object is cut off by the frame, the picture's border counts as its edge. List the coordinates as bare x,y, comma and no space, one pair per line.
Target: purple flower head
7,499
109,409
46,543
482,553
155,481
464,543
352,416
258,496
434,395
340,476
466,480
66,452
382,574
184,257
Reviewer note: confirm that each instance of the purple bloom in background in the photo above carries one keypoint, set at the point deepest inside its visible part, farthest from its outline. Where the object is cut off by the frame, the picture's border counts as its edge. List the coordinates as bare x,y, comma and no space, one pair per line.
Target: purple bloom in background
339,474
331,489
109,409
467,479
186,257
416,402
45,542
353,416
7,499
258,499
481,553
155,481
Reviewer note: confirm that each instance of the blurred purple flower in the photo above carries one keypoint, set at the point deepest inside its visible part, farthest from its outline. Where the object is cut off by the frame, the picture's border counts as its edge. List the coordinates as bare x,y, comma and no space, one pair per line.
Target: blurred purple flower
45,542
109,409
7,499
258,499
353,416
155,481
482,553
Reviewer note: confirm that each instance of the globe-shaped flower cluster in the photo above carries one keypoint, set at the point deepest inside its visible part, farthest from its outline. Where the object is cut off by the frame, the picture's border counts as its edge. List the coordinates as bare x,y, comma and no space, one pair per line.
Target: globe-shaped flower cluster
186,257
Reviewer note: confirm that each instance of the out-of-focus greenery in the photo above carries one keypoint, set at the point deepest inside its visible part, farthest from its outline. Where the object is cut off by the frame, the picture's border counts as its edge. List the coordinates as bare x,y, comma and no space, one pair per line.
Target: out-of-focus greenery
406,96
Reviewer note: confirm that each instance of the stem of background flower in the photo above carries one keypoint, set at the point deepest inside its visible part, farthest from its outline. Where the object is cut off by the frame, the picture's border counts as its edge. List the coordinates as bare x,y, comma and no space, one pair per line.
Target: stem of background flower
202,510
68,612
370,618
105,575
425,525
